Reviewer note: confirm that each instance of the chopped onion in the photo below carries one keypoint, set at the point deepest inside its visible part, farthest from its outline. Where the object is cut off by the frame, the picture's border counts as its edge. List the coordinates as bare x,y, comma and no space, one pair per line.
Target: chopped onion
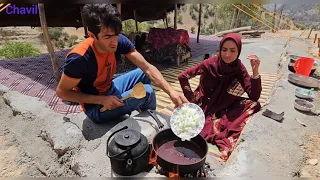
187,123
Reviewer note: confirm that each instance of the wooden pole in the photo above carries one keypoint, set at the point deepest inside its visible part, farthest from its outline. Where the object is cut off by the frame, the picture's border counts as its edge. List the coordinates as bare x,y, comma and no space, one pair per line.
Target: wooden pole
199,25
319,47
215,18
315,38
236,24
135,18
119,8
175,16
280,19
310,33
274,17
233,17
44,27
167,25
84,23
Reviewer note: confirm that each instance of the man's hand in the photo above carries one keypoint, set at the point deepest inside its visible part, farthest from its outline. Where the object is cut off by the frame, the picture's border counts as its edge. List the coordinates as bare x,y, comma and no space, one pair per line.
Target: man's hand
110,103
178,98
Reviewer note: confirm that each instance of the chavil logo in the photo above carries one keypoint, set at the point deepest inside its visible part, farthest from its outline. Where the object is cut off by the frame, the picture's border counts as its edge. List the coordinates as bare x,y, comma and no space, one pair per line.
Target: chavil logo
14,9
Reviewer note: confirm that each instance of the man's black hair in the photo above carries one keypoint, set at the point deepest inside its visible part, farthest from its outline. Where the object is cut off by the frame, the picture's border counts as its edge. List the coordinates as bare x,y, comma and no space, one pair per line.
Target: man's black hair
102,14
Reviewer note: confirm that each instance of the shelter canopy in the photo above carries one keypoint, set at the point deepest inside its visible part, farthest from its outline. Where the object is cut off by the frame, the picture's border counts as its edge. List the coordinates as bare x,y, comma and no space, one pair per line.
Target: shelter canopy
68,15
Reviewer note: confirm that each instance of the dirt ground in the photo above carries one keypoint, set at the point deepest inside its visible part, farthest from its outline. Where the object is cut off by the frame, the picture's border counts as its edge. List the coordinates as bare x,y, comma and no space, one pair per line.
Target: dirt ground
14,161
23,151
311,165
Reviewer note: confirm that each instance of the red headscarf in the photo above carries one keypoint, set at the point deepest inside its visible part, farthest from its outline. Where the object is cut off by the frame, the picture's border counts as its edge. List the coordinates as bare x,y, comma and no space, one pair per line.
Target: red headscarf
218,73
224,70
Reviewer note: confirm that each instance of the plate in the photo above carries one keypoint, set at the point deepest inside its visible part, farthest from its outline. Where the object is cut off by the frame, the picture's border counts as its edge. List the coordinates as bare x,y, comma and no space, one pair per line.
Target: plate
175,126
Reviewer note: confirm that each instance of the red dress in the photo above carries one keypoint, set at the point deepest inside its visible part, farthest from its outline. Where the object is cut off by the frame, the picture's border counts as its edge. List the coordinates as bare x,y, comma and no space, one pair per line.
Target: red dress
218,95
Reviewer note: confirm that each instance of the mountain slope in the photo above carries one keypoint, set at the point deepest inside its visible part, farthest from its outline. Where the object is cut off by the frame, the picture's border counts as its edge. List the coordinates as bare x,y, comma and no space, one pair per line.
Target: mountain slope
301,13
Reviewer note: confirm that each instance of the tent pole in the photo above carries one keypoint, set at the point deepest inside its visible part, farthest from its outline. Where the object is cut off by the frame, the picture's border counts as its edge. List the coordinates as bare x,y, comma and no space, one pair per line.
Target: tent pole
84,22
135,18
199,25
119,8
166,19
44,27
175,16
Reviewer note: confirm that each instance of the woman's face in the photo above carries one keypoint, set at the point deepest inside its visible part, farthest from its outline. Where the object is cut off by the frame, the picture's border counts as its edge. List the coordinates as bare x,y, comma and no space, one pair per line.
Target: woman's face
229,51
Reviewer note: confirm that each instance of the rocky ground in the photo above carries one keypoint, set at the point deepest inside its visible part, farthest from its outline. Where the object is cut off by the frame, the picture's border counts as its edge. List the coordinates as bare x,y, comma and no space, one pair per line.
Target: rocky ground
24,149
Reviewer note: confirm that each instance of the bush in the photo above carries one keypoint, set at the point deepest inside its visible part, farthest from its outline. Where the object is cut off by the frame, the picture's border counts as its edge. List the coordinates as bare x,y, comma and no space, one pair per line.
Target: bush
211,25
17,50
208,31
194,17
195,7
59,38
190,10
180,20
211,12
184,8
129,26
59,44
193,30
72,40
55,33
202,31
206,15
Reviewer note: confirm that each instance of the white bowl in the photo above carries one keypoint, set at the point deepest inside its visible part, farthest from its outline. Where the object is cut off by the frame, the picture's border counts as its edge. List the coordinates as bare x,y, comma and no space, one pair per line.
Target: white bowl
194,132
303,105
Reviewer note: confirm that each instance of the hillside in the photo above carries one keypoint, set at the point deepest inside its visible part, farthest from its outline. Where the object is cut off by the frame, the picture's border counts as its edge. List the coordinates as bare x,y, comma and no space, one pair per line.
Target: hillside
305,14
302,13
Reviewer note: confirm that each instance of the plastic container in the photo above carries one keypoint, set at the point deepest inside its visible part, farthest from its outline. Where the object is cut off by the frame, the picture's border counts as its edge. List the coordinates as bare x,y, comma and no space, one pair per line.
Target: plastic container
303,66
304,93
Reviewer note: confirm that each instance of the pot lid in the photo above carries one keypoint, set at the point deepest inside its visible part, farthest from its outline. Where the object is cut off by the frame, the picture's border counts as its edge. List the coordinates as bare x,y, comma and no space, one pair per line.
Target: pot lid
127,137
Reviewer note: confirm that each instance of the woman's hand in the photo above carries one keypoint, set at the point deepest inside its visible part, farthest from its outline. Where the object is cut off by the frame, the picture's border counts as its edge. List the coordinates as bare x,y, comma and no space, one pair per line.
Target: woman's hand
255,62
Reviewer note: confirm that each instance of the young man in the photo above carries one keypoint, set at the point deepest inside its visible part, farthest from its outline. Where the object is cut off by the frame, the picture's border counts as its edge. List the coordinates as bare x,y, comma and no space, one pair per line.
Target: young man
89,68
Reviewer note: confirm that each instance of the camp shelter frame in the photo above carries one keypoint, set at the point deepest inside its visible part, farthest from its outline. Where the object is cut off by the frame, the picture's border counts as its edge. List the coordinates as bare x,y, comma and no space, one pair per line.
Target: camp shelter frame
70,15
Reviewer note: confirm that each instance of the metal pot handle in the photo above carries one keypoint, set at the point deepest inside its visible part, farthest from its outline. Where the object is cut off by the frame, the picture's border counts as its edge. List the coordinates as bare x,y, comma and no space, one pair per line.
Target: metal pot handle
160,125
125,127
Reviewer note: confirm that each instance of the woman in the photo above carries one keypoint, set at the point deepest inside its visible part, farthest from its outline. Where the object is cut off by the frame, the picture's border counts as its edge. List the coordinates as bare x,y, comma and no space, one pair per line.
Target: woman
218,96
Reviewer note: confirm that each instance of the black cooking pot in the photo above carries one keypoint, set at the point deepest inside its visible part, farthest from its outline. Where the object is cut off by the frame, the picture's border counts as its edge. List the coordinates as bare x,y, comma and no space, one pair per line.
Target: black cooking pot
182,157
128,152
